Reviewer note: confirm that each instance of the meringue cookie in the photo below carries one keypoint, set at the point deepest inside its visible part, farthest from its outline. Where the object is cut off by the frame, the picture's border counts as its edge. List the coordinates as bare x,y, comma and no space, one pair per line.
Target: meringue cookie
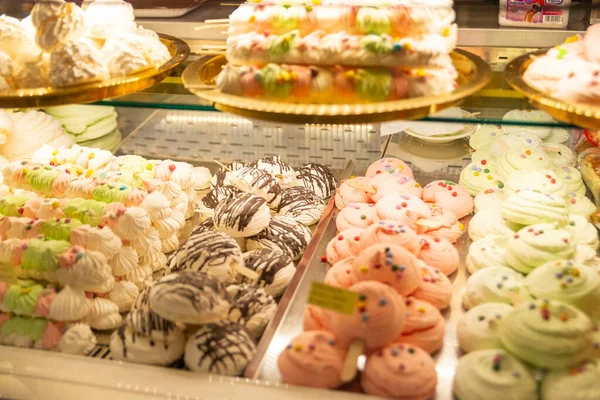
91,273
347,194
528,207
538,244
478,176
580,205
542,132
190,297
259,183
223,348
580,383
78,339
478,328
281,171
302,205
283,233
123,295
485,136
317,178
583,232
252,308
493,374
384,231
492,285
544,180
109,19
567,282
275,270
124,261
212,252
70,304
572,178
132,223
548,334
242,215
103,315
355,215
486,252
15,40
57,24
76,62
388,165
490,222
125,344
560,155
344,245
157,206
516,159
139,274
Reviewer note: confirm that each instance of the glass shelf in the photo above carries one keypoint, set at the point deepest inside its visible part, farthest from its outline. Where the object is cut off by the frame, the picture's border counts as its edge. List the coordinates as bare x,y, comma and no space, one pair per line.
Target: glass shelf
488,106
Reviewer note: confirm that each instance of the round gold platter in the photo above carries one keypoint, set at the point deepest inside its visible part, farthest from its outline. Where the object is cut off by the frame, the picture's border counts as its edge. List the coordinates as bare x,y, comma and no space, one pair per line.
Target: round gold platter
583,115
200,77
95,91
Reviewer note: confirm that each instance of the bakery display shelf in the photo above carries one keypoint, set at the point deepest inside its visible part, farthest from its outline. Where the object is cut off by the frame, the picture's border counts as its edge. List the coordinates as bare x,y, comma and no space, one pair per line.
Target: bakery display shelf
291,324
487,106
200,76
204,136
95,91
583,115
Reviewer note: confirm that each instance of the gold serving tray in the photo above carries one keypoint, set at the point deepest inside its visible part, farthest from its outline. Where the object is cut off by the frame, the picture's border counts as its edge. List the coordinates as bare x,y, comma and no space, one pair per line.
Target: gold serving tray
90,92
200,77
583,115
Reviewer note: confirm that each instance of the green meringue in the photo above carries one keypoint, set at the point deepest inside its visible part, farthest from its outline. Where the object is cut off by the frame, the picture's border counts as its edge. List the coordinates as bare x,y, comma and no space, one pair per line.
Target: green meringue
493,375
59,230
22,298
41,179
580,383
568,282
538,244
107,193
34,328
43,255
10,205
548,334
89,212
528,207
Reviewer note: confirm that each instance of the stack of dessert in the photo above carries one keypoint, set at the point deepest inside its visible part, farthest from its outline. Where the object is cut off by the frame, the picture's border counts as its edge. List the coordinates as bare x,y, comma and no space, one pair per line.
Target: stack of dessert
534,293
71,219
22,133
217,300
90,126
569,71
332,52
61,45
394,249
501,154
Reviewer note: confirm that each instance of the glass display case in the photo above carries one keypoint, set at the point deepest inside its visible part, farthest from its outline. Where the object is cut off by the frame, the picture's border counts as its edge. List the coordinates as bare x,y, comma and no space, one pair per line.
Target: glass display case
165,121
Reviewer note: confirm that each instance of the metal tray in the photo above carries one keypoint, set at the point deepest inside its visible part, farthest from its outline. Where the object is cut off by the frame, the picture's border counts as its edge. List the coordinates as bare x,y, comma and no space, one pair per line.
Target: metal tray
288,322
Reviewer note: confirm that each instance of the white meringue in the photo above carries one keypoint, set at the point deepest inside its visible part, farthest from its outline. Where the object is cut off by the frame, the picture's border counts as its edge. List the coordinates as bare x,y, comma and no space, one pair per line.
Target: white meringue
123,295
125,56
109,19
157,206
91,273
132,223
124,261
78,339
139,275
103,315
57,24
75,63
15,39
70,304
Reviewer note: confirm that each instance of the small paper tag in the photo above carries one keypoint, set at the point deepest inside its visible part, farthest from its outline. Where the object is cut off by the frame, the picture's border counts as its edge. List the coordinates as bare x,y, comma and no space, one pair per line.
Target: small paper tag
8,273
332,298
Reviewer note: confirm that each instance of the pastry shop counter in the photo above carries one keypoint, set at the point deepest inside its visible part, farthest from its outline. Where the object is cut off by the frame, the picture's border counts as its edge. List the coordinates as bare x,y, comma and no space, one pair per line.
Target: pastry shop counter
202,137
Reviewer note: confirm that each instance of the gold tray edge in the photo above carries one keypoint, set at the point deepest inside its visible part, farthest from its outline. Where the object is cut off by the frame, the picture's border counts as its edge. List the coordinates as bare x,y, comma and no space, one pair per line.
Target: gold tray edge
583,115
90,92
414,108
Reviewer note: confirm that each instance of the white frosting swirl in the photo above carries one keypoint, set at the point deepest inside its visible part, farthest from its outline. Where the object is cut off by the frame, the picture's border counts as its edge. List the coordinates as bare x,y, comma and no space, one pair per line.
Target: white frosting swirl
91,273
124,261
103,315
123,295
78,339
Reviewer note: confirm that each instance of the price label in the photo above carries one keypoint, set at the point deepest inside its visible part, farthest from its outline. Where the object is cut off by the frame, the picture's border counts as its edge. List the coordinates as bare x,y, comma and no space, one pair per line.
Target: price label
332,298
8,273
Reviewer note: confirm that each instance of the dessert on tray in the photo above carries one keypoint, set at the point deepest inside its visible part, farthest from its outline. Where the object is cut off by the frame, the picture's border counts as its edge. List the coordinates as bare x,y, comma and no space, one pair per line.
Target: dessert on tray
61,45
569,71
332,52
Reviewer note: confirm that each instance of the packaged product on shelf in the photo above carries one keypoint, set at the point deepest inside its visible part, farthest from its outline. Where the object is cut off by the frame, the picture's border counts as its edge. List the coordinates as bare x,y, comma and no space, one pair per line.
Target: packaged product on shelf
534,13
